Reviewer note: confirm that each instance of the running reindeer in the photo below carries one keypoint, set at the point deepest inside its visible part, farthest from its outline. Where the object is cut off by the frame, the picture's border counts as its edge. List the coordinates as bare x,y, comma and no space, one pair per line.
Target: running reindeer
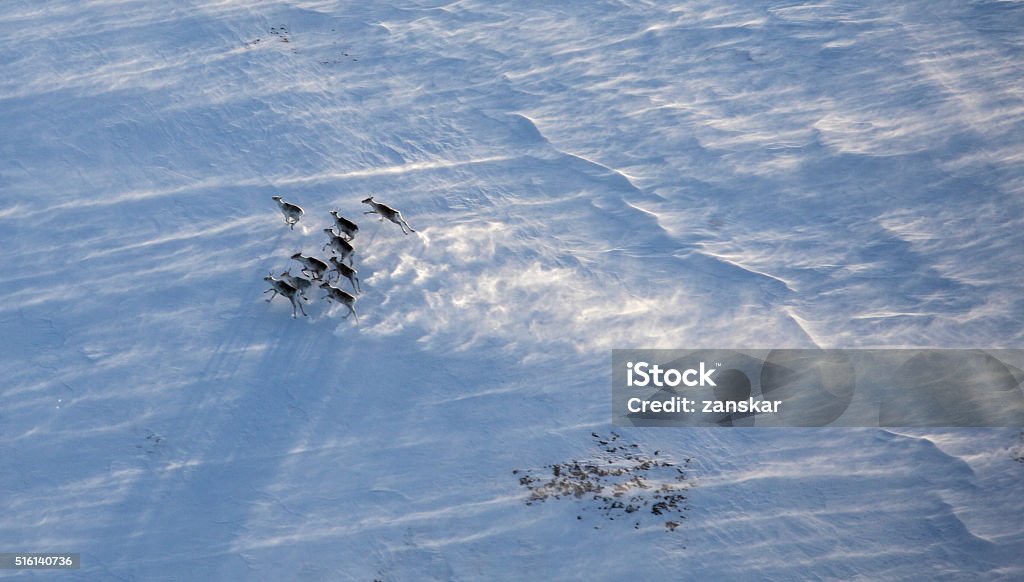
311,266
292,212
301,284
343,297
339,245
279,287
345,226
345,271
385,211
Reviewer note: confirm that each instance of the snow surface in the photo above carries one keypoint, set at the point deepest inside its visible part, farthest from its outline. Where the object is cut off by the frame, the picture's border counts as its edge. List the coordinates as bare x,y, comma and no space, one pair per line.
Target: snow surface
584,176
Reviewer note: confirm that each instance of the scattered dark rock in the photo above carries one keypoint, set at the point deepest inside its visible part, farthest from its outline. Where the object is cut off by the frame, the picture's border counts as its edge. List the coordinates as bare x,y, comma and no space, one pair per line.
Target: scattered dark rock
627,482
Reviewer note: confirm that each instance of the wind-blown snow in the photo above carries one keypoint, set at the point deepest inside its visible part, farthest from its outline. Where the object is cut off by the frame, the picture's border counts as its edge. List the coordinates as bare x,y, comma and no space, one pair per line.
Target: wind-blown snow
583,177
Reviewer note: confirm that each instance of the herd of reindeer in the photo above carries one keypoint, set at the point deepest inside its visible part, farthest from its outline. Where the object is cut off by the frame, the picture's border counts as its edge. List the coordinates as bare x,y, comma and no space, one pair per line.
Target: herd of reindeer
294,287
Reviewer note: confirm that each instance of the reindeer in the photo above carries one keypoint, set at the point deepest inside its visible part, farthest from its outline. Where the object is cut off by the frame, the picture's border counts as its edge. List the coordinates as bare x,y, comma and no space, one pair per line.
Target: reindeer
338,296
385,211
311,266
344,225
301,284
346,271
277,286
339,245
292,213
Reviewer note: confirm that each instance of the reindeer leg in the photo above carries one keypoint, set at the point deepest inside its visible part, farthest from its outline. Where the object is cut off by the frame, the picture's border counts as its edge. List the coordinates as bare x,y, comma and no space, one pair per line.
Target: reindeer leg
299,303
351,312
272,296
